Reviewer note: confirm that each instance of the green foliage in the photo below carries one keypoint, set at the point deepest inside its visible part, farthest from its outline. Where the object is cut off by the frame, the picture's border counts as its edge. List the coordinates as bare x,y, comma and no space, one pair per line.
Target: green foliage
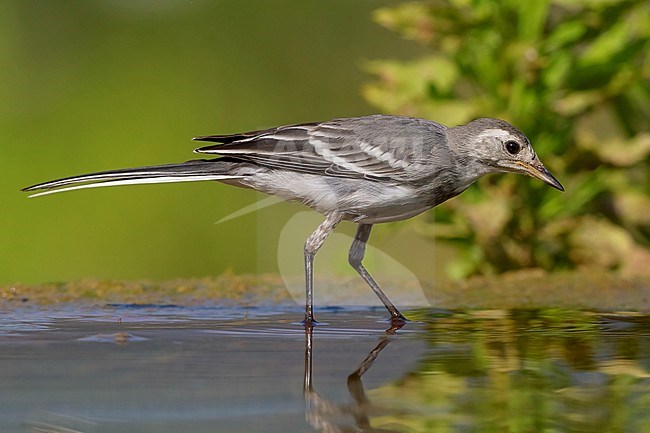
573,75
521,371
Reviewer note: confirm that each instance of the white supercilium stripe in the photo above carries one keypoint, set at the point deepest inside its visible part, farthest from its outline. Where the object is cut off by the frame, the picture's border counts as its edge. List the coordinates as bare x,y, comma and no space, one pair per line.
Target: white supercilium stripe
493,132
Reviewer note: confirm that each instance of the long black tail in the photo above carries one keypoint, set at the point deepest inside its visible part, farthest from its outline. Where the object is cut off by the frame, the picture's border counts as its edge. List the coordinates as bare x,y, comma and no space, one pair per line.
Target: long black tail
190,171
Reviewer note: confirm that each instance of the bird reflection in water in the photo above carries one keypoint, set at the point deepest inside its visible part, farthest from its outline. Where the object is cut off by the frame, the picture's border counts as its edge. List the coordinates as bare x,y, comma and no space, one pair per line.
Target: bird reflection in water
329,417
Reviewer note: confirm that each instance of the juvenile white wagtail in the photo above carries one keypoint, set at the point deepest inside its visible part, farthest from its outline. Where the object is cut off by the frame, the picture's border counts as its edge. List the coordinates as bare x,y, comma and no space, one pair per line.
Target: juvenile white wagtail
367,170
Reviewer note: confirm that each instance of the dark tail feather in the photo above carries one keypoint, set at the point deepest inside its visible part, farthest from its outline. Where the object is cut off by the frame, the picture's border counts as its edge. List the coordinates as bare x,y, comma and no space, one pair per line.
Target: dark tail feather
190,171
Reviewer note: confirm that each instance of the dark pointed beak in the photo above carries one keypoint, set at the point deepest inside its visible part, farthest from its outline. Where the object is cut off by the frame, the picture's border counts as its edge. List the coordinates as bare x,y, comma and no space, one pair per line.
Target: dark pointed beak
537,169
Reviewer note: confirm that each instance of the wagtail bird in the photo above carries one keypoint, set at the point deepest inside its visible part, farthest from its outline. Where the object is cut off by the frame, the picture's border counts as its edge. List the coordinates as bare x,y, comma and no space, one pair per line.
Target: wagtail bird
367,170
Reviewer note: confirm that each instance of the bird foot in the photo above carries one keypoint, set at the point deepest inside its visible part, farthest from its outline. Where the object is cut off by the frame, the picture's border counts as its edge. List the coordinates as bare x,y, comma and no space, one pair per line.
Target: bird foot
396,323
310,322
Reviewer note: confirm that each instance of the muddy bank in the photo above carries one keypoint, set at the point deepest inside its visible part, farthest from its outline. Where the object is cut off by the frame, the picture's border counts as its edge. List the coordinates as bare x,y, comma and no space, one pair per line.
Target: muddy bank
523,289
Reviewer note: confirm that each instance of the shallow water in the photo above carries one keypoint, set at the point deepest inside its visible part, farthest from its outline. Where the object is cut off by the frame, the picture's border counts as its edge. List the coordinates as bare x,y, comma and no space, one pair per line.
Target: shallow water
163,368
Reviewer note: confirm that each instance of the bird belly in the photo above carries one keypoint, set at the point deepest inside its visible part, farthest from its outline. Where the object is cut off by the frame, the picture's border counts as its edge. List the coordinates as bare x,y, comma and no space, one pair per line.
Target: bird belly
359,200
393,213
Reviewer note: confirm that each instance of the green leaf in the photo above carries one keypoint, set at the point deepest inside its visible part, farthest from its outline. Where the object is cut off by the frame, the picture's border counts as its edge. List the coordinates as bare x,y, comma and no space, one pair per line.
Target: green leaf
532,16
606,45
598,242
564,34
559,67
409,19
601,133
633,207
578,102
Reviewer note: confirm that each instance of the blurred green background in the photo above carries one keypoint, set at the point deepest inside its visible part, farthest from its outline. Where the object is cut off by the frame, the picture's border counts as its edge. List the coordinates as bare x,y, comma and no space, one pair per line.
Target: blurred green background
87,86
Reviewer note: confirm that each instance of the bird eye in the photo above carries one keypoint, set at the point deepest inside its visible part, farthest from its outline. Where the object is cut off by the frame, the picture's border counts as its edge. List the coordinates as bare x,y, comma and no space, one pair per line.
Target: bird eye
512,147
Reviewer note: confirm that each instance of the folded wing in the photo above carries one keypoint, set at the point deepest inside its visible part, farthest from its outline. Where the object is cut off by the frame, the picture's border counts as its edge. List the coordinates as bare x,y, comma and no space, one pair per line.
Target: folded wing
375,147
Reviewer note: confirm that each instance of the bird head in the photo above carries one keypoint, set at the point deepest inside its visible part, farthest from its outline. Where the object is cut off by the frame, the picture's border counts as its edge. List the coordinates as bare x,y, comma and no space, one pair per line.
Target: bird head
503,148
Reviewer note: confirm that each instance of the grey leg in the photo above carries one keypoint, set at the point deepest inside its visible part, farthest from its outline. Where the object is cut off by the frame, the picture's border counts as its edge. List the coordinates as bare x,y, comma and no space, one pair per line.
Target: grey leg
357,251
312,245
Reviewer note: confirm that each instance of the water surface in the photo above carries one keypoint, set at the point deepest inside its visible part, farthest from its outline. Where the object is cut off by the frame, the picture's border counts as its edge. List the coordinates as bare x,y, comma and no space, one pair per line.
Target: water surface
163,368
